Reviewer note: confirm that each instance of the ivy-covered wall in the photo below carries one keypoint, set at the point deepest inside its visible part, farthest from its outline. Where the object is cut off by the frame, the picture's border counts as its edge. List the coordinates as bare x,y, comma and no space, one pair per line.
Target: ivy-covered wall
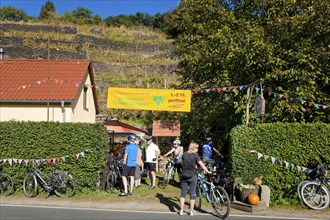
79,147
279,152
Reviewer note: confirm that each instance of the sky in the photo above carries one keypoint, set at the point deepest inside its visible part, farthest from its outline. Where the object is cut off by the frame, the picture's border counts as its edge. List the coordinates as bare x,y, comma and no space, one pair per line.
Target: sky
104,8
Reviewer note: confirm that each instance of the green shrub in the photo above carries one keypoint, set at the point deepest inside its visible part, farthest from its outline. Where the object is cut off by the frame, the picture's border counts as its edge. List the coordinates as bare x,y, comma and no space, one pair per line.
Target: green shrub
84,147
294,145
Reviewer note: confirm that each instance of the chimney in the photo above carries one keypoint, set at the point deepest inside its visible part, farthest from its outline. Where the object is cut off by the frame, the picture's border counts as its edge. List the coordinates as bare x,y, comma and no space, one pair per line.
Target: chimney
1,53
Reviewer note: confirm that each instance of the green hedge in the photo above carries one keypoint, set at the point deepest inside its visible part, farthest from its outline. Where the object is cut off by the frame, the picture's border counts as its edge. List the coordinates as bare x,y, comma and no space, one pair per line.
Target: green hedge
44,140
296,144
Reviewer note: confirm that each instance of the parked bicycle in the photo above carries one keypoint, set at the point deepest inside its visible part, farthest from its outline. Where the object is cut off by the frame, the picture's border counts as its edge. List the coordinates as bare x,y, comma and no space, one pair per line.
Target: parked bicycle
61,182
216,195
6,184
315,193
114,180
169,173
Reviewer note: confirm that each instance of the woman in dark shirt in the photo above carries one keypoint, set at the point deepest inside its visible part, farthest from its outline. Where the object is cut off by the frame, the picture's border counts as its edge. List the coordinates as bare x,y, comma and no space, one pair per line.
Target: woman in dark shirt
190,160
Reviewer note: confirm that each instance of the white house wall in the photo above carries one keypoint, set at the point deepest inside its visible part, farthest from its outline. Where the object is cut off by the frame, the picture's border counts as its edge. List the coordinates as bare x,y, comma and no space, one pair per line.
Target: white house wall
33,112
81,114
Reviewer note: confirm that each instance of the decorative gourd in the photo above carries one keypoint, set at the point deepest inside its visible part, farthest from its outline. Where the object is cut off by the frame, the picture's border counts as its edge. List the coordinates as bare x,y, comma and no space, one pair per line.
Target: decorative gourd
253,199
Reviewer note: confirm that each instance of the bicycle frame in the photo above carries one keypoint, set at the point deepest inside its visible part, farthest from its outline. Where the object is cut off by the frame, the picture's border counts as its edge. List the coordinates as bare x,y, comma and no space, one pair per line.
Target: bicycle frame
39,174
209,193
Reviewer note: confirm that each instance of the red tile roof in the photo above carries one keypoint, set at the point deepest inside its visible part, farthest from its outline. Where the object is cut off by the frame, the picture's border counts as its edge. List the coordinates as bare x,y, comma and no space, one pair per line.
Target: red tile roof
121,127
42,80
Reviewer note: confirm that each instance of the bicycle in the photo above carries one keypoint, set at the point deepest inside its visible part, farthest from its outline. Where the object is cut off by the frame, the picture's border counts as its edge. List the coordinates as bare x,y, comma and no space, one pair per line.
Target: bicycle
216,195
312,175
114,179
169,173
61,182
6,184
315,194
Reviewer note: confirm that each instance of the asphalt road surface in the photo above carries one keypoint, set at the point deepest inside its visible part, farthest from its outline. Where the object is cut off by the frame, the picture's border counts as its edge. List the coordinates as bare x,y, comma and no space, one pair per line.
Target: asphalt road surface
10,212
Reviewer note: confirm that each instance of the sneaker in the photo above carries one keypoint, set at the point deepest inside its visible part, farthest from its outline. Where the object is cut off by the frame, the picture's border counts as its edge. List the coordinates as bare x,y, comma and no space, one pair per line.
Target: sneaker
151,187
130,193
181,212
192,213
123,194
148,186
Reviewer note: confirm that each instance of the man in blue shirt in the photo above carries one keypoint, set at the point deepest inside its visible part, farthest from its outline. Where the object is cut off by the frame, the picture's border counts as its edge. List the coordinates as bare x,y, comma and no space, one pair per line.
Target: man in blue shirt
131,151
207,150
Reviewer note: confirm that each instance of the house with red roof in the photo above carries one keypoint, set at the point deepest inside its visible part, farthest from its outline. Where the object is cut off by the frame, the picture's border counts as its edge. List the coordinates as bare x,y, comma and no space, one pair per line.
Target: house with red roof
47,90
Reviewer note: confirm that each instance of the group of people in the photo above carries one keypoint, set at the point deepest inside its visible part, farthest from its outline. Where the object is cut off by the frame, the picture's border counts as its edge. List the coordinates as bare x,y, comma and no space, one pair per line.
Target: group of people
185,162
133,162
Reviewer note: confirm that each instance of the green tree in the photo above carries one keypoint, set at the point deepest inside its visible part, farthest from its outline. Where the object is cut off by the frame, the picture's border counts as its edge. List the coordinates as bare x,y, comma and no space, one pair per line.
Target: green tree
12,14
47,11
81,12
224,43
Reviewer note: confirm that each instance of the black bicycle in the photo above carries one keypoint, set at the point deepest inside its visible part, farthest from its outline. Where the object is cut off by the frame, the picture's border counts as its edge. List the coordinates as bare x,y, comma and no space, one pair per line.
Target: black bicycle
61,182
114,180
6,184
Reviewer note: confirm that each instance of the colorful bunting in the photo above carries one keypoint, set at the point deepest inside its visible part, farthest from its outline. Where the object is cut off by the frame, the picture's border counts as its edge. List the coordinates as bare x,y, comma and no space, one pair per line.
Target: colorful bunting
42,161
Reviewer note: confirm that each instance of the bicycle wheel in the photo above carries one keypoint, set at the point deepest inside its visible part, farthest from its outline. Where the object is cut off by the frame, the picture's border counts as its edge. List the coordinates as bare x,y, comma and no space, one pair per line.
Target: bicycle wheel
111,182
6,184
220,202
299,189
30,185
167,177
67,186
315,195
199,197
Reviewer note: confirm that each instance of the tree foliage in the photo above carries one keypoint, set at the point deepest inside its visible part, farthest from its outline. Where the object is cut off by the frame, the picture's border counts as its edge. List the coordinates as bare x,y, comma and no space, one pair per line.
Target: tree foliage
228,43
12,14
47,11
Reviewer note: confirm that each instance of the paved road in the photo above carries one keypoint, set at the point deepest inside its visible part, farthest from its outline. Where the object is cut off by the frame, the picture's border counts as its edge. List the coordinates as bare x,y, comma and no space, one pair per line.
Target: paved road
17,212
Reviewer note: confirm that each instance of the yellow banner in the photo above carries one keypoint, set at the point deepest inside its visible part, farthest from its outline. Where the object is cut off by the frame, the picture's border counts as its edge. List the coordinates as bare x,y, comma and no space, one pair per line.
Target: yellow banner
149,99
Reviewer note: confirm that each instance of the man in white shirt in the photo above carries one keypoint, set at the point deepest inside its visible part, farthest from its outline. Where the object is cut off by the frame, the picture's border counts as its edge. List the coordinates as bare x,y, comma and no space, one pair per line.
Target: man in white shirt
152,153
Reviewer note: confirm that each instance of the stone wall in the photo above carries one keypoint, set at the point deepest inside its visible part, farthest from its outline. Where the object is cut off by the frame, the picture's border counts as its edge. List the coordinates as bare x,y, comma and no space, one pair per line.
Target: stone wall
6,27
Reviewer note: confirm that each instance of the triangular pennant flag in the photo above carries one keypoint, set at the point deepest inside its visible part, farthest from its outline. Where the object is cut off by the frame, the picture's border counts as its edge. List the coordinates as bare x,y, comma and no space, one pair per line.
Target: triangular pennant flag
304,168
54,160
292,166
229,88
273,159
14,160
280,161
257,89
266,157
63,159
207,90
252,151
5,160
296,100
49,160
259,155
219,89
73,155
10,161
82,154
286,164
1,160
58,159
240,87
37,162
20,161
26,161
299,168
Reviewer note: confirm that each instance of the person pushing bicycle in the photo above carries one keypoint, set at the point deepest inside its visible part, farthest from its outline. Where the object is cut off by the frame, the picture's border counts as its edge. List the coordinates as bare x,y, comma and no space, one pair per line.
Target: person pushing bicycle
177,151
207,150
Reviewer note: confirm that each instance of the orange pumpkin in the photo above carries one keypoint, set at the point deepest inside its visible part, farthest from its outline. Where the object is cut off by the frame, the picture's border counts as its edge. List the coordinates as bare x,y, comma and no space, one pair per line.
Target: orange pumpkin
253,199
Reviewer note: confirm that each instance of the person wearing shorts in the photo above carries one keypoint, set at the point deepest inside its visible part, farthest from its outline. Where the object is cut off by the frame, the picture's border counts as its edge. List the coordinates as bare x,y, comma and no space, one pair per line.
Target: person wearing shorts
152,153
130,155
